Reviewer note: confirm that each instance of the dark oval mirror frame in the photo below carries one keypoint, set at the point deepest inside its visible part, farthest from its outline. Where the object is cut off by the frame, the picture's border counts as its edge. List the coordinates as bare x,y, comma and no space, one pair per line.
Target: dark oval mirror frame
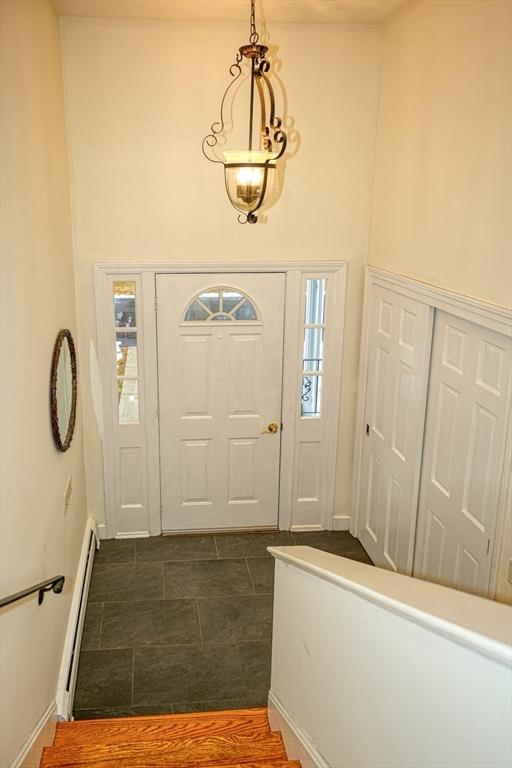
61,444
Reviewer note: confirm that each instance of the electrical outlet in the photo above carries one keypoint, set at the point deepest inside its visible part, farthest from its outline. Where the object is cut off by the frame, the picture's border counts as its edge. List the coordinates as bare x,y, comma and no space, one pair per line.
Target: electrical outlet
68,492
510,570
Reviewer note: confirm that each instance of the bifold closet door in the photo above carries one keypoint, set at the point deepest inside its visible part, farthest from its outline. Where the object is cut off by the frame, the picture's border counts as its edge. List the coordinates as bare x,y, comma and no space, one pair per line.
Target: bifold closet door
399,347
467,413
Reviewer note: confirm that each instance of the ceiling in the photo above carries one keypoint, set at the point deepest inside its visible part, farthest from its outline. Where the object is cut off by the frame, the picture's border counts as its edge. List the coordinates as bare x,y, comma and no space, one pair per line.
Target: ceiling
310,11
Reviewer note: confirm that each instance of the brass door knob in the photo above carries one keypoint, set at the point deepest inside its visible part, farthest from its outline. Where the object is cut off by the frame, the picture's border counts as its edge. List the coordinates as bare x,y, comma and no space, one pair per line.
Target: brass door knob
272,428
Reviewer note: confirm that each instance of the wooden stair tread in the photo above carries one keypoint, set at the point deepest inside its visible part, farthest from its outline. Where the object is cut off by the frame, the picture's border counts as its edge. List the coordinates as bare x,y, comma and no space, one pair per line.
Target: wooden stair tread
149,764
260,764
182,752
118,730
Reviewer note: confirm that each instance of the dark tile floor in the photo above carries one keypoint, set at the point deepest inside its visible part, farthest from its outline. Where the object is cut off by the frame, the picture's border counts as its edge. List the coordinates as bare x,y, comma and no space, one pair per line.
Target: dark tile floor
184,623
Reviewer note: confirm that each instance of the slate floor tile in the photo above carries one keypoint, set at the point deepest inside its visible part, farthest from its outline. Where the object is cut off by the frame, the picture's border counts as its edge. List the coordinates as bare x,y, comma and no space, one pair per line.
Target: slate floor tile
172,548
88,714
104,679
234,619
209,578
262,574
251,544
96,714
150,622
187,673
92,626
115,551
247,702
256,661
114,582
360,555
337,542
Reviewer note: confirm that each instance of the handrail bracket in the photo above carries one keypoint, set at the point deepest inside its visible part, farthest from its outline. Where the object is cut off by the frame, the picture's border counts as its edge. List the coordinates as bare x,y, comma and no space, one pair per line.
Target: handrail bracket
57,587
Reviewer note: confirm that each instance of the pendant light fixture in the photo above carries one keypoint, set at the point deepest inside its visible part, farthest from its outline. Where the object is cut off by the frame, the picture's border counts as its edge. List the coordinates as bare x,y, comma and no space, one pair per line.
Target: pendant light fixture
250,172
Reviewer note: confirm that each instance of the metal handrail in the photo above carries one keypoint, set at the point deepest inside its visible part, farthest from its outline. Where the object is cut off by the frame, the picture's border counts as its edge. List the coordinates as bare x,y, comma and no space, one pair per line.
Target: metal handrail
56,583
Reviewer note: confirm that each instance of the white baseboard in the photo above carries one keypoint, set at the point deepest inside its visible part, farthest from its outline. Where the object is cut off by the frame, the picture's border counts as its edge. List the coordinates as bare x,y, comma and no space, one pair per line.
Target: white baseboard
304,528
41,736
102,531
76,617
296,741
341,523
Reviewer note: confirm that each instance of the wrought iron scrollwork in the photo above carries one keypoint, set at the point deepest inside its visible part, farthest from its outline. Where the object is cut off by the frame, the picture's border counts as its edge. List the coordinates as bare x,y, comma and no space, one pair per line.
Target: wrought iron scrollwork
211,139
306,389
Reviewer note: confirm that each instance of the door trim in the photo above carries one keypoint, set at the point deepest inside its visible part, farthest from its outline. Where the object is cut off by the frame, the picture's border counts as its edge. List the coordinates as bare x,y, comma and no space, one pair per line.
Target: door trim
336,271
481,313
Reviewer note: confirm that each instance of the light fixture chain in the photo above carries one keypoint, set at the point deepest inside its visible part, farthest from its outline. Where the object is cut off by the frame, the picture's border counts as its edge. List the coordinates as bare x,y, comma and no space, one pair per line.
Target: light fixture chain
254,37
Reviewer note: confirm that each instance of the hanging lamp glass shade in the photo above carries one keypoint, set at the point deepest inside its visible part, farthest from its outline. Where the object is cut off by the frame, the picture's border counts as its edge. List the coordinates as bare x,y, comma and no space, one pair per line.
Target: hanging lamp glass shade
250,174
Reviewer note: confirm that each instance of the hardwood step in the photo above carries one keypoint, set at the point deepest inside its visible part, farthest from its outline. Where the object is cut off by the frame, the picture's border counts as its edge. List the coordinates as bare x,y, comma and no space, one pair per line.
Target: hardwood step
184,752
238,764
249,722
260,764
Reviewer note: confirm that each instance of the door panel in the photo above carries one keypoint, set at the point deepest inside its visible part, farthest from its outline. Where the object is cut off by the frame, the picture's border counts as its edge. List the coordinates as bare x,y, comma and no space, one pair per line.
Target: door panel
220,378
468,405
398,356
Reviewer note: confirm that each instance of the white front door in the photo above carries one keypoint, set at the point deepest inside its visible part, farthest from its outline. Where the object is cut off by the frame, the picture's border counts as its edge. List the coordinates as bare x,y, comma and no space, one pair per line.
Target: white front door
399,340
468,405
220,358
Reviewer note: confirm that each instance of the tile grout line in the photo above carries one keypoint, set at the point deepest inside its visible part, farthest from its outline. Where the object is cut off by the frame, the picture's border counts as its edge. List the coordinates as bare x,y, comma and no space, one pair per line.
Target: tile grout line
199,622
250,577
101,623
133,673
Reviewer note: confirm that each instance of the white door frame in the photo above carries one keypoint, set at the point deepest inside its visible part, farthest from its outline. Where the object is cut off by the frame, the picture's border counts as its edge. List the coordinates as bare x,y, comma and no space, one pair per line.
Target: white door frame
482,313
295,272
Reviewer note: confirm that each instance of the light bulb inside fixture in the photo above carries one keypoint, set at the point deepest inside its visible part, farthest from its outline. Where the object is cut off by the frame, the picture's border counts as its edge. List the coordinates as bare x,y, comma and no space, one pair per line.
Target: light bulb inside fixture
249,181
249,174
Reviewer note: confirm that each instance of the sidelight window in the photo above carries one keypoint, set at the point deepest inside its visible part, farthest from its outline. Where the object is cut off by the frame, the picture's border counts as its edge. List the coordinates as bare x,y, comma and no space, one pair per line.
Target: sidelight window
126,351
313,347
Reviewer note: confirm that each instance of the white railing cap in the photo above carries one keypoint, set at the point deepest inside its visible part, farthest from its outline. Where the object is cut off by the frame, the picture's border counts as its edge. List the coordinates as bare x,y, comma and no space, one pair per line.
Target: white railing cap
483,625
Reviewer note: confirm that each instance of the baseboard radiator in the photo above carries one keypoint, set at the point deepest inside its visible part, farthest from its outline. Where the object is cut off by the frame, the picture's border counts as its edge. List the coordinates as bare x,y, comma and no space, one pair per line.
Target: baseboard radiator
71,654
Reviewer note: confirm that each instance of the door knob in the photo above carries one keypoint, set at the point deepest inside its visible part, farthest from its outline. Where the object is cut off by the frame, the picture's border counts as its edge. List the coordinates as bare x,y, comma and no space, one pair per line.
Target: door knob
271,428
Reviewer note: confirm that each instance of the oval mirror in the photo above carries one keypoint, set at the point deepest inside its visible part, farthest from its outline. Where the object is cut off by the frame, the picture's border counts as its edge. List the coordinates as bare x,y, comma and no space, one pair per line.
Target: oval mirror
63,390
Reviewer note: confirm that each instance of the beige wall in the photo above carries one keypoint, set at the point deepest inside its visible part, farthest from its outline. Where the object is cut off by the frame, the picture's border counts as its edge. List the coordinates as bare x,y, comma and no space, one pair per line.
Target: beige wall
140,97
441,209
38,537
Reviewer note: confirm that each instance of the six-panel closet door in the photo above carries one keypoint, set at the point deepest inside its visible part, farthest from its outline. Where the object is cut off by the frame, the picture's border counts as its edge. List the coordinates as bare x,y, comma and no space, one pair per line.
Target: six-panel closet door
466,424
399,342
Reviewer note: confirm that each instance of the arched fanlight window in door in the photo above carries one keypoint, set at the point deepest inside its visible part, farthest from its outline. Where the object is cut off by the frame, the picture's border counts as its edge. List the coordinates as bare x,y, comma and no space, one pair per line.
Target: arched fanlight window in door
221,305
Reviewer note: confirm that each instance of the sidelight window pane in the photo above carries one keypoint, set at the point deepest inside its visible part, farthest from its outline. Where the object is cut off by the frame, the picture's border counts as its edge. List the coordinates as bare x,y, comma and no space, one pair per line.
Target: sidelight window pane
128,401
124,304
313,349
126,353
311,399
315,301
